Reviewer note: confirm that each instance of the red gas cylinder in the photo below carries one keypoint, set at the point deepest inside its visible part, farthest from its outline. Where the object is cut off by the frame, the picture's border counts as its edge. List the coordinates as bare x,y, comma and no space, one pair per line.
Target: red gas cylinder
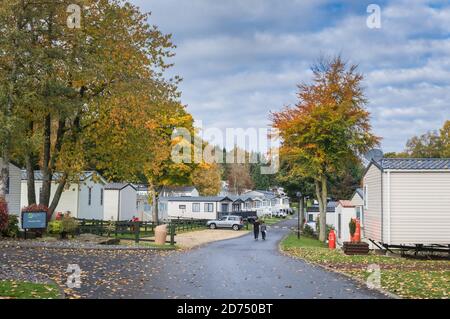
357,237
332,240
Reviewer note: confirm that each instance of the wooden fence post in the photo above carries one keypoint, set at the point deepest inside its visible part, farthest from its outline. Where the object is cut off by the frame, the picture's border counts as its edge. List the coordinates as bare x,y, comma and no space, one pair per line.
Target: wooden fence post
172,234
137,230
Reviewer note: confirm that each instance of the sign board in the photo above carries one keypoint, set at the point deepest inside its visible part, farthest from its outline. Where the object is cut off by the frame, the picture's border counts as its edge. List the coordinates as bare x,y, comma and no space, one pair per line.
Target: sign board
34,220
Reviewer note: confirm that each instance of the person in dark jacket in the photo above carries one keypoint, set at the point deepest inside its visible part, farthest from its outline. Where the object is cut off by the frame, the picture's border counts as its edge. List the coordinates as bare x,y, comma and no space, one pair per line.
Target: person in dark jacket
263,229
256,228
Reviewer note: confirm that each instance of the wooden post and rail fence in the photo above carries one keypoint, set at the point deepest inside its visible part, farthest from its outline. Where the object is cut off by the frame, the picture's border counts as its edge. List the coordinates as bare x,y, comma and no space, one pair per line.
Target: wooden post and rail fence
137,231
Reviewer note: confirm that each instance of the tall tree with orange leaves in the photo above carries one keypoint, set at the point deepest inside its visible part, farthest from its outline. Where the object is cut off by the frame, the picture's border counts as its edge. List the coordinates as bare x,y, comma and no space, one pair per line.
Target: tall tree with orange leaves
328,127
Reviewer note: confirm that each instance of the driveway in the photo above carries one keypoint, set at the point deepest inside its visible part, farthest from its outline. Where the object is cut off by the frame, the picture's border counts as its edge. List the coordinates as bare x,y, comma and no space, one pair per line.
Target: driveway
248,269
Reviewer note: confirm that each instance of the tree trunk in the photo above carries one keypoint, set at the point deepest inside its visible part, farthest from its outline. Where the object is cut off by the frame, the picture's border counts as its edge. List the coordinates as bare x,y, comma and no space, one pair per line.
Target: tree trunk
44,198
301,211
30,179
58,193
30,164
322,198
4,172
155,217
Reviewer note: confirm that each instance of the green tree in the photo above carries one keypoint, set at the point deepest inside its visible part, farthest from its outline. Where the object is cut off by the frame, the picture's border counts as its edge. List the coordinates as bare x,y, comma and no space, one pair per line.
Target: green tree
261,181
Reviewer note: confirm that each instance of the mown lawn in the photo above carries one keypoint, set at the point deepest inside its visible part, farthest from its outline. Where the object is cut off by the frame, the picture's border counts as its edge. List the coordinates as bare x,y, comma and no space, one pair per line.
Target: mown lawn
26,290
273,220
407,278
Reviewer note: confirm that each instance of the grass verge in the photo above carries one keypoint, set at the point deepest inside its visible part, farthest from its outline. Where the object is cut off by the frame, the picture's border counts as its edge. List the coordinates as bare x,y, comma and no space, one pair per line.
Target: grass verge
145,244
26,290
407,278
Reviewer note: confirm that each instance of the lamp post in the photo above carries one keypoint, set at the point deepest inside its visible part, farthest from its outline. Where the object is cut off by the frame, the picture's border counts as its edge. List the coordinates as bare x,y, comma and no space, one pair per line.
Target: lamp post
300,212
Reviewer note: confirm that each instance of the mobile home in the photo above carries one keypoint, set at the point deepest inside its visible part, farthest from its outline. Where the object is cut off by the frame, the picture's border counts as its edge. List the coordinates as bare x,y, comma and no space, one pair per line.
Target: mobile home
407,202
13,189
120,202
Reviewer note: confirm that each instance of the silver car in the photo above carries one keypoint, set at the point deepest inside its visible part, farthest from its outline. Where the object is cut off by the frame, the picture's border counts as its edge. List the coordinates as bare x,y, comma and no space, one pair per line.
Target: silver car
233,222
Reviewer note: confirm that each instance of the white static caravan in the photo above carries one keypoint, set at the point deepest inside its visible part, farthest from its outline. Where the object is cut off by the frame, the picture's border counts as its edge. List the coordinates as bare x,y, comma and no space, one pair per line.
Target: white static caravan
83,199
195,207
407,202
345,212
312,214
120,202
178,191
13,189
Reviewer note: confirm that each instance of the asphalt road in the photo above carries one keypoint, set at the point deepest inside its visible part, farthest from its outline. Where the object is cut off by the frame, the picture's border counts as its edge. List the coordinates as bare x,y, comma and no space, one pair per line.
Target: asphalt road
248,269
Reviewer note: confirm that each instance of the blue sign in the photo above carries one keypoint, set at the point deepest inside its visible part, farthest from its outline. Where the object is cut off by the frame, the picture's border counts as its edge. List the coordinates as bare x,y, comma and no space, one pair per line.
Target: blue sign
34,220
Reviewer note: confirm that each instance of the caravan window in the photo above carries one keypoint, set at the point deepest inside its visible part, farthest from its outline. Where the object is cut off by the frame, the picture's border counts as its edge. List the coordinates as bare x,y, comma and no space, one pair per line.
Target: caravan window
90,196
209,208
358,213
196,207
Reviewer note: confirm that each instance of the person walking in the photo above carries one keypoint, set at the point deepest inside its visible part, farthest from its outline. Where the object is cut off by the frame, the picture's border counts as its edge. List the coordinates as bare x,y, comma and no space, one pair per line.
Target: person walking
256,228
263,229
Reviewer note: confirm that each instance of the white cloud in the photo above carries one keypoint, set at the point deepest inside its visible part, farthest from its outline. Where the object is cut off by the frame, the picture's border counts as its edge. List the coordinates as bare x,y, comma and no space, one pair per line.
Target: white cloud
242,59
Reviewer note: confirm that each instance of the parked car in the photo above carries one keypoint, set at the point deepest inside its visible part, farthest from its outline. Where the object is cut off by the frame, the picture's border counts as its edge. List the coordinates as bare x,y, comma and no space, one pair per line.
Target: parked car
282,213
233,222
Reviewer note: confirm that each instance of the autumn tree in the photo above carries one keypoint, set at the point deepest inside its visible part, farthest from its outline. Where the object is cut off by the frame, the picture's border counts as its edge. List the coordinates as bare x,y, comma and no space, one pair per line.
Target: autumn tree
425,146
445,139
239,178
16,77
207,179
96,90
328,127
433,144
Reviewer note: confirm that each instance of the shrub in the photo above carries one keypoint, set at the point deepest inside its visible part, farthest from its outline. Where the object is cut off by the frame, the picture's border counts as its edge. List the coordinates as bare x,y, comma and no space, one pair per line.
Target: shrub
55,227
327,232
352,227
13,227
4,219
308,231
69,225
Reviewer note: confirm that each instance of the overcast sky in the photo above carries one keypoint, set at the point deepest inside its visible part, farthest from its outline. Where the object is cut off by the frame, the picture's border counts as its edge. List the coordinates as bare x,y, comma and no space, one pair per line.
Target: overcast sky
241,59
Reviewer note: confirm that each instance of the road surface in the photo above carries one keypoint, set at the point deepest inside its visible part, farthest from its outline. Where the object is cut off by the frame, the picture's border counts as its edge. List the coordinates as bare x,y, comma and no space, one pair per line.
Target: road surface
249,269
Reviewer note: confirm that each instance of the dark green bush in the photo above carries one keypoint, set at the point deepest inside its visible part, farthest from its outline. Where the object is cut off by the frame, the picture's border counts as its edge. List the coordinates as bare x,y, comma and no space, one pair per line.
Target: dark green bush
352,227
308,231
12,230
3,215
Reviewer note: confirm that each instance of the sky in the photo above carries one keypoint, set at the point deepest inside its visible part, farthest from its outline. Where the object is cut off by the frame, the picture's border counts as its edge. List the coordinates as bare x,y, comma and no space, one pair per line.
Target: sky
242,59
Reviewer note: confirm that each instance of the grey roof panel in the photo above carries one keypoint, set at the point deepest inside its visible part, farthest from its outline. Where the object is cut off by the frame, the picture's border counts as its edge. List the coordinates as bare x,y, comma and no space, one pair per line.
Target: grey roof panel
193,199
360,192
38,176
118,186
415,163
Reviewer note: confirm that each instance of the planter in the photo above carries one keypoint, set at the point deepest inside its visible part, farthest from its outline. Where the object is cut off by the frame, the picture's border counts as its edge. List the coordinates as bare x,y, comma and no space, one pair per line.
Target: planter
356,248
